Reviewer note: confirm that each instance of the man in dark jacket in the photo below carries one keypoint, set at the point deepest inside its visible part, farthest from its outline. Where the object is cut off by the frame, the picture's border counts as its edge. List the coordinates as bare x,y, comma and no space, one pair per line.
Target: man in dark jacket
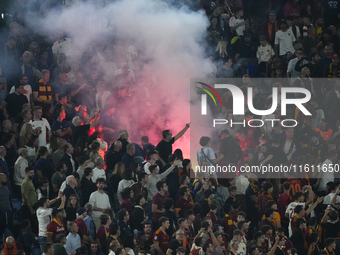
230,148
298,237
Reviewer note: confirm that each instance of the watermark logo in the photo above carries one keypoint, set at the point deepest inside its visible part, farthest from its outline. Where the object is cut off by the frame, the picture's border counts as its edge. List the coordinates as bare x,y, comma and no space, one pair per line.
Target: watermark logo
238,99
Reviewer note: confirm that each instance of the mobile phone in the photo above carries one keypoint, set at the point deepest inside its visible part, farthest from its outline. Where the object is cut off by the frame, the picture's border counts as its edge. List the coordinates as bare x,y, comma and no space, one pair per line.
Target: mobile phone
329,206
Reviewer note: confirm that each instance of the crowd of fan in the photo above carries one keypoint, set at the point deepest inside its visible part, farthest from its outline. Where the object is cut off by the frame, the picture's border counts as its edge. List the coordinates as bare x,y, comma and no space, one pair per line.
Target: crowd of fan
80,196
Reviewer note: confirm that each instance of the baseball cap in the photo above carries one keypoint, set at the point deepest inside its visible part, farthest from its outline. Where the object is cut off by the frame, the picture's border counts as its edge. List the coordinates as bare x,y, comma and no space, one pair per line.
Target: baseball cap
81,210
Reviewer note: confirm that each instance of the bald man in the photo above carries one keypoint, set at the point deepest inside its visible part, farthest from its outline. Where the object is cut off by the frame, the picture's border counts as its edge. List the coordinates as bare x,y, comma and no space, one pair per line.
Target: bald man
10,246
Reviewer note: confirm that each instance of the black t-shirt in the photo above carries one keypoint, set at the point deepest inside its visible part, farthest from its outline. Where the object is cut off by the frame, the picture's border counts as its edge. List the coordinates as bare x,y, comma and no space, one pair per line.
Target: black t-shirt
14,104
173,245
80,131
165,149
331,228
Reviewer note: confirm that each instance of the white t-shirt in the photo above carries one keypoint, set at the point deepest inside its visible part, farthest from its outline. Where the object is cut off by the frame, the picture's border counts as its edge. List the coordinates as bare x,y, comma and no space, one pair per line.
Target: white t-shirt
233,22
285,41
263,54
291,212
146,167
327,200
43,123
99,200
291,68
327,176
61,47
241,184
27,91
98,173
44,218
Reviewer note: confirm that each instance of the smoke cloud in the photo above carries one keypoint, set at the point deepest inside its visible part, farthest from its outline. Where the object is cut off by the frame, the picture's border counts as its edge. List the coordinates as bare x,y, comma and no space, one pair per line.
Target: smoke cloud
168,43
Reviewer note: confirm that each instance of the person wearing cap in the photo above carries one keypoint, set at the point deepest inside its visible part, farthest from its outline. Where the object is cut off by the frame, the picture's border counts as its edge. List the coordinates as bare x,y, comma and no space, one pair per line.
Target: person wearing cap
56,226
82,229
207,154
298,237
333,70
284,39
269,27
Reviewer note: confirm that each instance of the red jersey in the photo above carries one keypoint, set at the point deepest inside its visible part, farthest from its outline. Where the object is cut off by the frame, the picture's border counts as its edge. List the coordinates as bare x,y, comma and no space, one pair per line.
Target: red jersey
162,238
211,215
182,205
295,185
229,226
283,201
158,200
82,228
55,228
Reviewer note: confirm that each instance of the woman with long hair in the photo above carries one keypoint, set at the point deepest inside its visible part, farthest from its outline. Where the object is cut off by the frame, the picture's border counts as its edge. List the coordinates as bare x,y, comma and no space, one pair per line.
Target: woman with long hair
103,231
221,51
200,194
71,208
43,167
115,178
127,196
26,133
135,167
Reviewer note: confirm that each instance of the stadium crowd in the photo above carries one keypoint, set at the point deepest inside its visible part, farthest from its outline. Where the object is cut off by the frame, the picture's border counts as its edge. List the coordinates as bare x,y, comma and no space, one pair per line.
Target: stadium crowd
72,183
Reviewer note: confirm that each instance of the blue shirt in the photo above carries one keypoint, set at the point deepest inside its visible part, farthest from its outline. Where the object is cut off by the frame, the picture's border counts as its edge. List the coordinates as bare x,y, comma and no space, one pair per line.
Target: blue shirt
73,243
90,226
127,160
4,167
60,125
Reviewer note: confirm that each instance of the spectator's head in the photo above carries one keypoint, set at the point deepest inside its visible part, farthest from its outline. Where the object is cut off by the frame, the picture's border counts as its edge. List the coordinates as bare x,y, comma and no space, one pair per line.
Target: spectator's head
123,215
299,196
76,121
147,228
61,239
272,16
105,219
333,215
301,223
127,193
269,213
241,135
130,149
114,229
89,208
239,12
139,199
48,248
335,59
180,235
204,141
180,250
124,134
99,163
100,183
164,222
228,62
62,98
290,133
161,186
283,25
152,155
268,187
208,194
63,77
330,244
45,75
29,173
144,140
61,114
94,247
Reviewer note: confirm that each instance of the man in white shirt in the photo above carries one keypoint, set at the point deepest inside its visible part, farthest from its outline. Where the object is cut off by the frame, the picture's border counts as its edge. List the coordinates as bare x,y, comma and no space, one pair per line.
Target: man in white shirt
19,168
241,184
152,157
284,40
292,74
100,201
38,121
27,88
327,170
236,23
98,171
44,216
328,199
299,200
